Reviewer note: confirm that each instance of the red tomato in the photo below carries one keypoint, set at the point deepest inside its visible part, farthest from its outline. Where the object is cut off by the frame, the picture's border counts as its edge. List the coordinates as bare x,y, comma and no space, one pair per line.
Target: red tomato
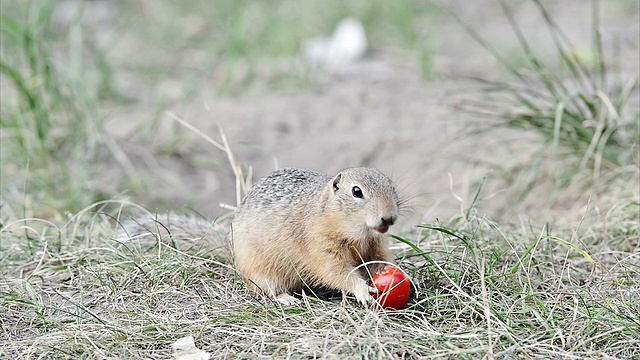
394,287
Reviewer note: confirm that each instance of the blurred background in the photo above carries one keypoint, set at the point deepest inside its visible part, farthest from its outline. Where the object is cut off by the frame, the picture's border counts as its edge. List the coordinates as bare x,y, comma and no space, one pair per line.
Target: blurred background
512,109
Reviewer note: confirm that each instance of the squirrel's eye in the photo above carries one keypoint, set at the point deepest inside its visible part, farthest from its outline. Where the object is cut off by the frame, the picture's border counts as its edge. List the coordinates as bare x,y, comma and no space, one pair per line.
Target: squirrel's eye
357,192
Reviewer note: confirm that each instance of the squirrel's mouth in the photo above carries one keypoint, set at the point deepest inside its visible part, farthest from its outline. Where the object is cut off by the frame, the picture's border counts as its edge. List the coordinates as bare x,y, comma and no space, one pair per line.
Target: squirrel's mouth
382,229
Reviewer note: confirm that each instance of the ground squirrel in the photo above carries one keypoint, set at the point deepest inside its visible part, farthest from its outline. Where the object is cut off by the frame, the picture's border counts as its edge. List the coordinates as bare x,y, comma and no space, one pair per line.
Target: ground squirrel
299,228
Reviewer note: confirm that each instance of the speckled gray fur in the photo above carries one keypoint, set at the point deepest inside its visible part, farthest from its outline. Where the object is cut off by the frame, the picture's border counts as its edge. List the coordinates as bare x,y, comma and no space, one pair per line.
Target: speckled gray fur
289,186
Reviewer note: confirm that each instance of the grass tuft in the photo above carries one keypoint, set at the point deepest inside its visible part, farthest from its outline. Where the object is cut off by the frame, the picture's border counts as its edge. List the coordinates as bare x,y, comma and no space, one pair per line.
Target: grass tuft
586,133
574,105
51,133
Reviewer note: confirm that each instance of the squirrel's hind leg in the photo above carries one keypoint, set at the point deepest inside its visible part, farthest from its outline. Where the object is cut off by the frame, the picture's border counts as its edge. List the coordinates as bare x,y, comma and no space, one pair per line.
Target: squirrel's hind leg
286,299
268,286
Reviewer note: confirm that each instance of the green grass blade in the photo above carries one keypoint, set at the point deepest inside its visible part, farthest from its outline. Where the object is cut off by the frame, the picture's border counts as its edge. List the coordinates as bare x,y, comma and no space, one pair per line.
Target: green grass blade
414,247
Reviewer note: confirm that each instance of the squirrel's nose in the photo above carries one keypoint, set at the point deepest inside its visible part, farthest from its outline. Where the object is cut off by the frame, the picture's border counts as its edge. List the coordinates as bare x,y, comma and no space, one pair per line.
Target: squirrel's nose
388,221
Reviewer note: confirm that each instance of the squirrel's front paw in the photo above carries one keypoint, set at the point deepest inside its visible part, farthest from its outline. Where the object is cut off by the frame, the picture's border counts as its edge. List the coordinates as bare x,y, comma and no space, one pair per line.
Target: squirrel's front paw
361,292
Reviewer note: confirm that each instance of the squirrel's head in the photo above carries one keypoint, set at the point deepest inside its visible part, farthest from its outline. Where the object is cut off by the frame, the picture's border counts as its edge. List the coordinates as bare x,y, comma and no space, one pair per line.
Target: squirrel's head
366,199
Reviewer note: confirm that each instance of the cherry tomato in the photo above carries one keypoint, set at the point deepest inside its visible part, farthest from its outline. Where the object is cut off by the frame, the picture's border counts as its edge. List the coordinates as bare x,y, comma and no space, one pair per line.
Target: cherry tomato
393,286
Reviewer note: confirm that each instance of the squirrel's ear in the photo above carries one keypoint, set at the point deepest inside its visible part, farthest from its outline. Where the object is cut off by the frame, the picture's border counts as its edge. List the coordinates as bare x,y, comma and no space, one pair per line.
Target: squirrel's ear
336,181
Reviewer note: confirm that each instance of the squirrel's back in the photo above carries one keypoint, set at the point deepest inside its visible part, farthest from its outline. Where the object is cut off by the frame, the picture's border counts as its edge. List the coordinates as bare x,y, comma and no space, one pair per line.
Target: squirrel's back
290,186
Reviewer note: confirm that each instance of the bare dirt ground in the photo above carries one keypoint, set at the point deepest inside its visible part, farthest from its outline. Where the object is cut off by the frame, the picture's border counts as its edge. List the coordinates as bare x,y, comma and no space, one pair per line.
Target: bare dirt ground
377,112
